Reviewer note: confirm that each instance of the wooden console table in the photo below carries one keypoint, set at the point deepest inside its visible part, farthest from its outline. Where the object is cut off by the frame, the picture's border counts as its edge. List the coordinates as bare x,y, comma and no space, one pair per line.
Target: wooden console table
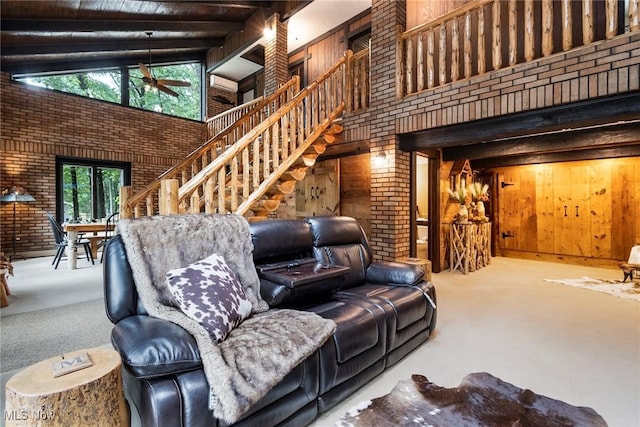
469,246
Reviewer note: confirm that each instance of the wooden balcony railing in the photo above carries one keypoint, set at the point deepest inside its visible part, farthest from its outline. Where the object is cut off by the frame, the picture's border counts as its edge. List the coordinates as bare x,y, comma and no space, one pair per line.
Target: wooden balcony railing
284,94
146,202
486,35
218,123
358,83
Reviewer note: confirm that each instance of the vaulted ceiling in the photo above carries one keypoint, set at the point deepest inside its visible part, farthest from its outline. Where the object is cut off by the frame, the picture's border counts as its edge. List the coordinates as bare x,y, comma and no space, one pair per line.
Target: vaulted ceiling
54,35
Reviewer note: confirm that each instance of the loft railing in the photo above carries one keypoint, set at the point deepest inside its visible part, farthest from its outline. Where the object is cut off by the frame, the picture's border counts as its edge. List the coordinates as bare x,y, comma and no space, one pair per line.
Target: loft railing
487,35
218,123
284,94
358,83
237,178
146,202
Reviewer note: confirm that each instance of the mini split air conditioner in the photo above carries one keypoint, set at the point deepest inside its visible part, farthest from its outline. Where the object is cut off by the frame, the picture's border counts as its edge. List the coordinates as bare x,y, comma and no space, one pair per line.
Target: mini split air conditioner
222,83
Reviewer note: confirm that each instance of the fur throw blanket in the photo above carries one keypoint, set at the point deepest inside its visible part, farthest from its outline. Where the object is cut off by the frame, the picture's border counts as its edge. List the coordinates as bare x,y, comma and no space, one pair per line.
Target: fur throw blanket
259,352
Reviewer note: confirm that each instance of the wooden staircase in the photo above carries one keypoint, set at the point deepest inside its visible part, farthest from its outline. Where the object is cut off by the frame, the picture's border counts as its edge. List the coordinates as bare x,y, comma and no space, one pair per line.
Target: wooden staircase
250,166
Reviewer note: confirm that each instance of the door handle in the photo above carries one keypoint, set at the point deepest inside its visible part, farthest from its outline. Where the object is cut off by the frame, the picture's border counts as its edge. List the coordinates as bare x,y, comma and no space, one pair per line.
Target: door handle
565,210
508,234
577,210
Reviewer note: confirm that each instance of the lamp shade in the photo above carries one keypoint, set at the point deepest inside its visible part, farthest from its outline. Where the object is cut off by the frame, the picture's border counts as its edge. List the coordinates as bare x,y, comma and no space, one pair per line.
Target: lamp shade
16,194
13,197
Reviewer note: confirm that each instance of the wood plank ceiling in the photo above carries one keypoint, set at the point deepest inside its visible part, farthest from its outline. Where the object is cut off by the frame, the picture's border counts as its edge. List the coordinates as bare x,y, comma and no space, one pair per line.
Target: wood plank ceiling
55,35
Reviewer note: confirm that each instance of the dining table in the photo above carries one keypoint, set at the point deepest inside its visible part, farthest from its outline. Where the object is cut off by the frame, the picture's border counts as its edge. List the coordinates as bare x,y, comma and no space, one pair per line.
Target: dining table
92,231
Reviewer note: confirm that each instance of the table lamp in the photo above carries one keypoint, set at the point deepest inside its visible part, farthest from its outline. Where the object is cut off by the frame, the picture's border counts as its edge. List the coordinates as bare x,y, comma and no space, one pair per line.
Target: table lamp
14,195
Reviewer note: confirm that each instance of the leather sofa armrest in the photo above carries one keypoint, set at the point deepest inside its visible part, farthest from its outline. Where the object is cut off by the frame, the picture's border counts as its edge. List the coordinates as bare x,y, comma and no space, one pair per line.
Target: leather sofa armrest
152,347
385,272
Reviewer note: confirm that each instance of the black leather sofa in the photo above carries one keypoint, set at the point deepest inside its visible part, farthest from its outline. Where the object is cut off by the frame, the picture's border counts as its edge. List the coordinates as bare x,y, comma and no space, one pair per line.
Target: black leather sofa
383,311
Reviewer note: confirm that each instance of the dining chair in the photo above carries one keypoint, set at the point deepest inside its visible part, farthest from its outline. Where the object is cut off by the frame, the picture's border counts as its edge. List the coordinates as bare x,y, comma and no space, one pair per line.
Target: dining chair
109,230
61,240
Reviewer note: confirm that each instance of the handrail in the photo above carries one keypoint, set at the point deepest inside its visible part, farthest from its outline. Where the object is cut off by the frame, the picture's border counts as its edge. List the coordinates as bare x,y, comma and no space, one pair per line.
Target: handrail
209,150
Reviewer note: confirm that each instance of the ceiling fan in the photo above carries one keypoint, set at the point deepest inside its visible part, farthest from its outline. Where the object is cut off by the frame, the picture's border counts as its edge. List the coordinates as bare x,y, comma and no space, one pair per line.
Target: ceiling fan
160,84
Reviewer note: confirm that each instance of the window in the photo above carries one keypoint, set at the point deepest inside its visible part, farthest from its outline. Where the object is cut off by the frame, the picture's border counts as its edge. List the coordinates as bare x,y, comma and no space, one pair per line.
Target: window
106,85
89,190
186,105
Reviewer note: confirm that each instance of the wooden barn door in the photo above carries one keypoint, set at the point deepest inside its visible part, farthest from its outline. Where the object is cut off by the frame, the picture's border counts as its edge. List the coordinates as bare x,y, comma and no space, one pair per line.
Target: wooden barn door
582,210
319,192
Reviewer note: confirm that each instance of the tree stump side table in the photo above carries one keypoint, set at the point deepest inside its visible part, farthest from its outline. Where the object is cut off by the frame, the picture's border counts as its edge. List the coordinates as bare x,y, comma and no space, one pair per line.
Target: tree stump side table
91,396
422,262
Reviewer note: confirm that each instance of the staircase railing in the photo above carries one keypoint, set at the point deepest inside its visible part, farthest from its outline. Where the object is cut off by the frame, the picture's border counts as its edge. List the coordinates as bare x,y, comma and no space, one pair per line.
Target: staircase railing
146,202
237,179
485,35
243,174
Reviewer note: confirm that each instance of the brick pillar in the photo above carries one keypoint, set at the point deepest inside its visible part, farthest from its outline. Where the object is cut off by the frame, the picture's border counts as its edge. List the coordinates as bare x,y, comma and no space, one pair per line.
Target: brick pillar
276,65
390,178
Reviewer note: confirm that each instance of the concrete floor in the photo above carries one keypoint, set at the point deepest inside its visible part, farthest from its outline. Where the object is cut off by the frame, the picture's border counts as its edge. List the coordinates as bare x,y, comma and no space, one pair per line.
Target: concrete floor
567,343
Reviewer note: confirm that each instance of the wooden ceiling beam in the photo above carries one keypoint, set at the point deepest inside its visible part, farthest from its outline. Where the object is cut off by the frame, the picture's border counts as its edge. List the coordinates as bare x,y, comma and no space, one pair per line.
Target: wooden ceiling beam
45,48
237,4
70,25
567,156
577,115
58,65
613,135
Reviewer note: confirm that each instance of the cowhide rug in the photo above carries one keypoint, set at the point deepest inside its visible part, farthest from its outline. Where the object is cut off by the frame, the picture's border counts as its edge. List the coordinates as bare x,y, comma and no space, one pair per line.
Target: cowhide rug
480,400
617,288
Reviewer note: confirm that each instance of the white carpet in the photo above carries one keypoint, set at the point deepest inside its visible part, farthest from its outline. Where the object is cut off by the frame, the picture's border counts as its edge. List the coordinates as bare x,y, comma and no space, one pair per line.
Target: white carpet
628,290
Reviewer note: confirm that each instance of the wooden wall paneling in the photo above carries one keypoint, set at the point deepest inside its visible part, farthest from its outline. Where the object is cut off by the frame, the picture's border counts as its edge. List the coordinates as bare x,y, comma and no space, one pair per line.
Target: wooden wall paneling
579,211
623,209
600,176
636,213
355,189
421,11
324,53
544,208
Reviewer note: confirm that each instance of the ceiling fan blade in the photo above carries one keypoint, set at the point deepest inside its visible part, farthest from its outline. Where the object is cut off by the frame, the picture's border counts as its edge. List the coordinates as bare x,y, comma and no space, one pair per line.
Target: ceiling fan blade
173,83
145,71
166,90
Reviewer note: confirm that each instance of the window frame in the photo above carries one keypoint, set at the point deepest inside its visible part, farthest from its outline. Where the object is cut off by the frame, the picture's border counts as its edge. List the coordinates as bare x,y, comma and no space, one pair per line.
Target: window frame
93,163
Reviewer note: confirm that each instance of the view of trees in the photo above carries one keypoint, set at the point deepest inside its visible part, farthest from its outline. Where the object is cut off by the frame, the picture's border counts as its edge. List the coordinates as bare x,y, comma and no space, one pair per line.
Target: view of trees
105,85
187,105
90,192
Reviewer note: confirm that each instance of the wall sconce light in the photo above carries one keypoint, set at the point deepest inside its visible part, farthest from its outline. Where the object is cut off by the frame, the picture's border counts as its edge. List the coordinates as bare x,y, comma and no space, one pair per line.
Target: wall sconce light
380,159
268,33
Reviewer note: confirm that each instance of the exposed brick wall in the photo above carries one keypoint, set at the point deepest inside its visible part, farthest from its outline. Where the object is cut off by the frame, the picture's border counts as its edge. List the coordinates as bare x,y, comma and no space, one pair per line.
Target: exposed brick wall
39,124
276,62
390,225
